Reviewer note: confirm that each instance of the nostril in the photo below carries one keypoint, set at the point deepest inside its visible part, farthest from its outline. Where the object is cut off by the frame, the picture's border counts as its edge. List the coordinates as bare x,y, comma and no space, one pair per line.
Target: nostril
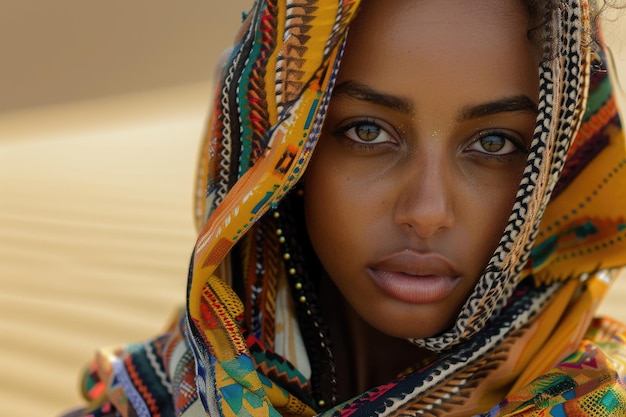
425,217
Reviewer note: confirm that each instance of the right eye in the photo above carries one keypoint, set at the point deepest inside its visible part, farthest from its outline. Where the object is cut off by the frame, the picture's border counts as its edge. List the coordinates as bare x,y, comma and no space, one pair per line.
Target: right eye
367,132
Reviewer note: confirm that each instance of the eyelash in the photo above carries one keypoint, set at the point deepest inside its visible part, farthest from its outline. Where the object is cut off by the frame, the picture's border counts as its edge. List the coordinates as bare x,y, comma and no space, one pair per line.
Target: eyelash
353,143
519,145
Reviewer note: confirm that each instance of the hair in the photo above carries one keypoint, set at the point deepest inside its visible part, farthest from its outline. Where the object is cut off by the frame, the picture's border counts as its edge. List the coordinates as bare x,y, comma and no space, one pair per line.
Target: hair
541,13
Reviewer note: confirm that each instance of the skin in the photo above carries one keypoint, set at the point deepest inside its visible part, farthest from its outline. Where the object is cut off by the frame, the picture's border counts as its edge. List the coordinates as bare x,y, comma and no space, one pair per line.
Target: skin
413,180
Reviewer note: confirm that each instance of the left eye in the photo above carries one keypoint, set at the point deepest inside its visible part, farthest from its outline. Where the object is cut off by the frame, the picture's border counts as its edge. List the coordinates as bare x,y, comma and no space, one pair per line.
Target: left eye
495,144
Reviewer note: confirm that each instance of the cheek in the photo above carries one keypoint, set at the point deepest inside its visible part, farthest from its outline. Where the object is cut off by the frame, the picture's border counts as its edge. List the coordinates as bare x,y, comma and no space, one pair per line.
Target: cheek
326,197
323,203
330,190
487,207
336,207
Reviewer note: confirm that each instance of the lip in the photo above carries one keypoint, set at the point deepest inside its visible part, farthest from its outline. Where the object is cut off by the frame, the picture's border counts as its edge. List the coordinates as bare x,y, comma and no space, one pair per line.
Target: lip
415,277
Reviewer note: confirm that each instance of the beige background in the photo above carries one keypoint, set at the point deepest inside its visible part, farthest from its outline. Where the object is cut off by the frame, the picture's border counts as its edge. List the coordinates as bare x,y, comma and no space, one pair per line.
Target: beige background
102,104
62,50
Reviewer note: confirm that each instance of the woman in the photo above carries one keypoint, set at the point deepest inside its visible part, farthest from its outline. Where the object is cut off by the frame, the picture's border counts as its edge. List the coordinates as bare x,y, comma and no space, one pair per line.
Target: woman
444,252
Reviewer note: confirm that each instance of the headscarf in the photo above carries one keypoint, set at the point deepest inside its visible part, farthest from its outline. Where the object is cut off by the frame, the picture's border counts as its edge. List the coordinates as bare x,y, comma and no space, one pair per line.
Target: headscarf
251,340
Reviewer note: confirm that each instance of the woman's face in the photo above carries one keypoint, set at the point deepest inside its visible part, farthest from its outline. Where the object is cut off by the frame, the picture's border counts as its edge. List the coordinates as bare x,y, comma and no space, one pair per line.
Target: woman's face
424,145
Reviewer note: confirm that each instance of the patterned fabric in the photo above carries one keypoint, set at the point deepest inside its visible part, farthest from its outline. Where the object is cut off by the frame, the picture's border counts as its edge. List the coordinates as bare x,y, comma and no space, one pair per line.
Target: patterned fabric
525,342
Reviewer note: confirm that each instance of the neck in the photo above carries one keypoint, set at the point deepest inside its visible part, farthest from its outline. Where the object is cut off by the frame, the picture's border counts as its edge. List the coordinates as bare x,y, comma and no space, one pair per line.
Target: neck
365,357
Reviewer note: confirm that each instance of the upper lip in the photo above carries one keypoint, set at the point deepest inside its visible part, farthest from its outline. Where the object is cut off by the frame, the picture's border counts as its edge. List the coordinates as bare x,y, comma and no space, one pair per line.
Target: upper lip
417,263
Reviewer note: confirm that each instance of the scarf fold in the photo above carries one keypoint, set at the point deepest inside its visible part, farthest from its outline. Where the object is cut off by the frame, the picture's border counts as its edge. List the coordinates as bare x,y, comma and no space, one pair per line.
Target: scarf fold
526,341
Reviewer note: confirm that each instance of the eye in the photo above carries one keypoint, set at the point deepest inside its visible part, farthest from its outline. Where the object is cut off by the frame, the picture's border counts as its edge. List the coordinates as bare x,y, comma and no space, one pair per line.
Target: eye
367,132
497,143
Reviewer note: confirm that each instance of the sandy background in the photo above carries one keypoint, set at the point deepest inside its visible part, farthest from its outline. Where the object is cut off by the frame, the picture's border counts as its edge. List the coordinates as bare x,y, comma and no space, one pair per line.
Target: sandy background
101,111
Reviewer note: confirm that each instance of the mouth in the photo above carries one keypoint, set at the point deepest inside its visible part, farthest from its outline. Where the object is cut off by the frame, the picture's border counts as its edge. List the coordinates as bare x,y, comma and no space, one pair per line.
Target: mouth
415,277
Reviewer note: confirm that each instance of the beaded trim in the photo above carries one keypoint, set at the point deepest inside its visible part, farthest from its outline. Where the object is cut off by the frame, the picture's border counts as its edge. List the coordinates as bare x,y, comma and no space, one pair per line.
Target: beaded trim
304,292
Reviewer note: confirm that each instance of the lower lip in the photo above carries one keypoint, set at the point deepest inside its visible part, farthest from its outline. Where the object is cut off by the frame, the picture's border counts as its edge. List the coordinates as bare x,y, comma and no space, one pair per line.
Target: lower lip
414,289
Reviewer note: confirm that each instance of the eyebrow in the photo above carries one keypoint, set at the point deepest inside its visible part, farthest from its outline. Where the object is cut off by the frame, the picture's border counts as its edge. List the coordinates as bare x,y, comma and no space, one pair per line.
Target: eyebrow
519,103
362,92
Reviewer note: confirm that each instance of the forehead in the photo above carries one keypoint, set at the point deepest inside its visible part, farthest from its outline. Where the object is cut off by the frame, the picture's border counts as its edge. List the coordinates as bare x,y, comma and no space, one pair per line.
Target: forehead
405,21
442,53
438,32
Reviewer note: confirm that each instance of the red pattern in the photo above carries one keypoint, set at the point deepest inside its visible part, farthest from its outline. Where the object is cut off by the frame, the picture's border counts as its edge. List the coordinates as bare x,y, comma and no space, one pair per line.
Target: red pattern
141,388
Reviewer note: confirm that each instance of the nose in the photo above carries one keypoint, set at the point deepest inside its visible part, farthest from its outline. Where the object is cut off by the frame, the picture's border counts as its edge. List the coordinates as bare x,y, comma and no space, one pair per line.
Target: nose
425,201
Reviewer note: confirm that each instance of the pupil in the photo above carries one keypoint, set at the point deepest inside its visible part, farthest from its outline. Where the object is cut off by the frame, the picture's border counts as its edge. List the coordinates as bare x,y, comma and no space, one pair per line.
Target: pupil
492,143
367,132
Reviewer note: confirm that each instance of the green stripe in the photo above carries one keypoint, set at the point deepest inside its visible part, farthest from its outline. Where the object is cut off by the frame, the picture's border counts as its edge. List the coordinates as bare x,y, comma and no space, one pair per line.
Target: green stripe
597,98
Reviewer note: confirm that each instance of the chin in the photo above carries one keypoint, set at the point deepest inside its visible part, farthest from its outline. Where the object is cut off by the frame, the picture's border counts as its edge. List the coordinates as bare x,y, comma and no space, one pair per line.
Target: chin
417,335
419,329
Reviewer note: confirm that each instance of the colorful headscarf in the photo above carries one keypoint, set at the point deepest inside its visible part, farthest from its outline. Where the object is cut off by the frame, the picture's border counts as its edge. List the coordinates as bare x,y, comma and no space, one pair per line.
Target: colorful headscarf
251,342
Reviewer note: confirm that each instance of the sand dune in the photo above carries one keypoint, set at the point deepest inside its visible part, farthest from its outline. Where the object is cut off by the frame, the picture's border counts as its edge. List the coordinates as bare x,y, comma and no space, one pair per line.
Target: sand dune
95,234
